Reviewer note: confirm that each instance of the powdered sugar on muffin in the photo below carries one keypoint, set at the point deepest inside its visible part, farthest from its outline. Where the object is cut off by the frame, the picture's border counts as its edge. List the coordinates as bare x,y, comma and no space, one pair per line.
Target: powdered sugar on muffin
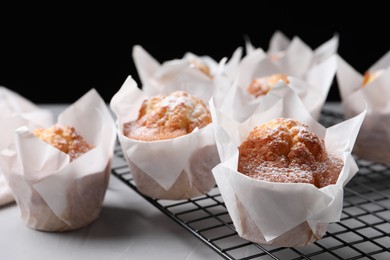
165,117
64,138
285,150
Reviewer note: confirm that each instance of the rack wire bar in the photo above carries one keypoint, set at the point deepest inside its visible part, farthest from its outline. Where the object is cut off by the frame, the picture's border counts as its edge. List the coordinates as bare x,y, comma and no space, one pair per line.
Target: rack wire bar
362,233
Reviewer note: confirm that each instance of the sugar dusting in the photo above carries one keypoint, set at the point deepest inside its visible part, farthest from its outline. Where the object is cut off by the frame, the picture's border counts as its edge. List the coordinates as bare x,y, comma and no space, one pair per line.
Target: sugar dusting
284,150
165,117
64,138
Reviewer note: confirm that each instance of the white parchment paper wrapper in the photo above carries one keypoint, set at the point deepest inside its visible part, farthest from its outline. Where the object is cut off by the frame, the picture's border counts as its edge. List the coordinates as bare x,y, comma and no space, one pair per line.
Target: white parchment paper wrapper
294,56
52,193
373,141
281,214
164,78
177,168
234,98
13,103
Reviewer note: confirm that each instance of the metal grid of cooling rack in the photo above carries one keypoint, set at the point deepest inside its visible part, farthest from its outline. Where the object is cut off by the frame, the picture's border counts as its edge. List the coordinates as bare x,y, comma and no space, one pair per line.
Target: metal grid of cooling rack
362,233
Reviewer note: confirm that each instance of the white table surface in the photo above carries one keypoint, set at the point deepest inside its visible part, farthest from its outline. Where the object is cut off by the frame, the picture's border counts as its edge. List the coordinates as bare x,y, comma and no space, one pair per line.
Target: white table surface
129,227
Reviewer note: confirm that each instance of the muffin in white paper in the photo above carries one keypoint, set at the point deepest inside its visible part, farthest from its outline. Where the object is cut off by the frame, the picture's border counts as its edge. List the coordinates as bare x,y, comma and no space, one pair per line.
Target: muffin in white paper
176,168
235,96
273,213
294,56
13,103
52,192
356,91
190,71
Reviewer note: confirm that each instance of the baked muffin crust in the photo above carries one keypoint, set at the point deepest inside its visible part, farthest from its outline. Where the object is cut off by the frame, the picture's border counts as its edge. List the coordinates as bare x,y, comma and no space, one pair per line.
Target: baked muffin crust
285,150
165,117
64,138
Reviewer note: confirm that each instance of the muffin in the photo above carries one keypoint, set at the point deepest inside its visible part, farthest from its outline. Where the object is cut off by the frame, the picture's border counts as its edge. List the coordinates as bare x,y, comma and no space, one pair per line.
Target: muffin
59,173
258,75
191,69
165,117
285,150
64,138
261,86
369,90
167,141
282,174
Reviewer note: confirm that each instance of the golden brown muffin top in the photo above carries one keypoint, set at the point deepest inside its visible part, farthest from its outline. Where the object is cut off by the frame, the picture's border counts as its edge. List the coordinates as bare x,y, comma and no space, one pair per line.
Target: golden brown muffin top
285,150
261,86
165,117
370,76
64,138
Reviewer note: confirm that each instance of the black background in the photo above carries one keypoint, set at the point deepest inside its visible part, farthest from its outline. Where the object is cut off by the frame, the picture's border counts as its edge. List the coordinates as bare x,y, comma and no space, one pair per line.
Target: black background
55,57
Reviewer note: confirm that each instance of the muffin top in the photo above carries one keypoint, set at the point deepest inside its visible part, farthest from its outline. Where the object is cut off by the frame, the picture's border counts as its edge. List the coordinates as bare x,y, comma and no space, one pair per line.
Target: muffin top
64,138
165,117
261,86
285,150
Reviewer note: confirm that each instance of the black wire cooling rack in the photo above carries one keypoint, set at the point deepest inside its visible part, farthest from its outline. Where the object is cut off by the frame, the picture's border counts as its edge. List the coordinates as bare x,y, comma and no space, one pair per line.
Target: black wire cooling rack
362,233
